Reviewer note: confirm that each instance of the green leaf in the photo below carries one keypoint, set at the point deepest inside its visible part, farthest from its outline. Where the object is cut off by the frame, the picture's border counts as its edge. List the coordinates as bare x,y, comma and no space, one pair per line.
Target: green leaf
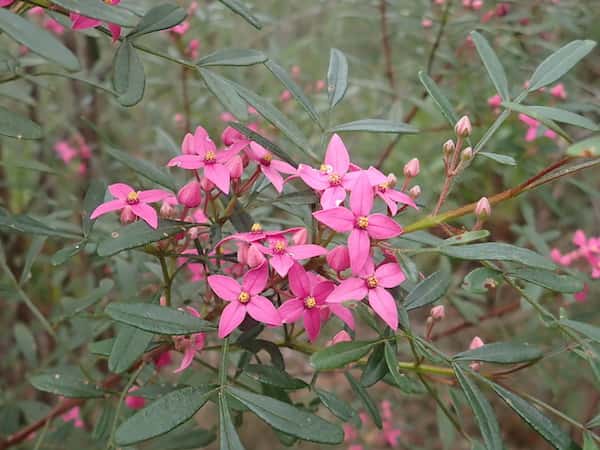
484,414
479,280
25,343
546,113
296,90
162,415
129,79
101,348
228,437
492,64
439,98
559,63
285,417
366,399
340,354
466,237
495,251
530,111
392,364
182,439
143,168
535,419
336,405
100,10
37,40
225,93
130,343
588,442
586,148
589,331
26,224
374,126
93,197
138,234
157,319
233,57
549,279
337,77
65,383
261,140
501,159
428,291
35,247
18,126
375,369
501,353
240,9
161,17
76,306
274,376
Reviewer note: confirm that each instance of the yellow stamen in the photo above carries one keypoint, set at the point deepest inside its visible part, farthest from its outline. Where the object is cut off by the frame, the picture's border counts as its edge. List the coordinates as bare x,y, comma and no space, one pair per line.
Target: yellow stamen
310,302
244,297
362,222
279,247
210,157
256,228
372,282
133,198
266,160
335,179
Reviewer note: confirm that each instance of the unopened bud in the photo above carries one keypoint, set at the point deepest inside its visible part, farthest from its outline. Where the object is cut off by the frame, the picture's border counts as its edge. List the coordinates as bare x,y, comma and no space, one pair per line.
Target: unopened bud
483,209
412,168
189,195
463,127
392,180
466,154
477,4
167,210
476,342
438,312
414,192
127,215
338,258
235,166
300,237
448,147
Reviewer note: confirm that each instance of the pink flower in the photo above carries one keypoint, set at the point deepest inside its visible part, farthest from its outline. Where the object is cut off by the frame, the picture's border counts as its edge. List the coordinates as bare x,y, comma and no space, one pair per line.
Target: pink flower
320,85
189,345
494,101
65,151
372,283
338,258
285,96
340,336
559,91
384,189
426,23
438,312
476,342
53,26
333,178
134,201
532,131
271,168
199,151
180,29
309,302
5,3
79,22
192,50
244,299
74,415
133,402
189,195
283,256
358,220
162,360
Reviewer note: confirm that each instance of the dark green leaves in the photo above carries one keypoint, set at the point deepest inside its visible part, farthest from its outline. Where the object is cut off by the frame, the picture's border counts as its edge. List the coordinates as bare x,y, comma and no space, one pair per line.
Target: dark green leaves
501,353
38,40
273,376
501,159
375,126
143,168
439,98
68,383
162,415
559,63
233,57
288,419
498,251
339,355
129,344
157,319
428,291
161,17
337,77
586,329
225,93
335,404
18,126
492,64
228,437
138,234
366,400
239,8
93,197
129,80
100,10
548,279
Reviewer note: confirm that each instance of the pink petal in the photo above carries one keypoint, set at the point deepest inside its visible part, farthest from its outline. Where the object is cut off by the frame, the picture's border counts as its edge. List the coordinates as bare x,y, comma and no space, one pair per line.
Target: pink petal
282,264
332,197
337,155
338,219
349,289
313,178
531,134
255,280
218,174
226,288
273,176
147,213
361,197
401,197
389,275
359,245
186,162
391,204
107,207
115,31
321,290
306,251
312,323
384,305
298,281
188,357
344,314
202,142
376,176
120,190
382,227
291,310
231,317
261,309
153,195
282,166
79,22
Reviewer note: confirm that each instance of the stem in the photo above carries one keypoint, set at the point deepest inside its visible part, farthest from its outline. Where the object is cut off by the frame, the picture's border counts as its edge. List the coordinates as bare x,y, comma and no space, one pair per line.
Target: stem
167,279
223,366
387,48
451,172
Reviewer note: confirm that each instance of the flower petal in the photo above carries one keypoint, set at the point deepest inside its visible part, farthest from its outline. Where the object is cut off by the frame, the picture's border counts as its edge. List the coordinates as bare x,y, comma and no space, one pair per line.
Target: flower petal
79,22
107,207
146,213
273,176
338,219
382,227
291,310
305,251
282,264
344,314
186,162
349,289
298,281
312,323
120,190
153,195
115,31
384,305
391,204
218,174
361,197
401,197
389,275
261,309
225,287
333,197
188,357
337,155
255,280
231,317
359,246
282,166
312,177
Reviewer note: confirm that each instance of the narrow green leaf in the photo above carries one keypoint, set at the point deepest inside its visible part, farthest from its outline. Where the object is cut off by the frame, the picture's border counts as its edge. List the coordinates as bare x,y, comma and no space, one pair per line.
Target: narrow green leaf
274,376
100,10
101,348
240,9
558,115
289,419
588,442
228,437
261,140
492,64
466,237
157,319
502,159
130,343
340,354
392,363
65,383
233,57
25,343
428,291
161,17
531,112
497,251
93,197
225,93
374,126
37,40
501,353
17,126
548,279
559,63
183,438
144,168
589,331
439,98
586,148
337,77
366,399
336,405
64,254
129,79
27,224
481,279
162,415
75,306
35,247
376,368
484,414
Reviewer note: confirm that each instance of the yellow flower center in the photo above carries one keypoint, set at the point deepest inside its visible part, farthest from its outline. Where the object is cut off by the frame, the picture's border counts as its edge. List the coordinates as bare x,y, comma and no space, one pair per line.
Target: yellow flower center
362,222
256,228
325,168
266,160
310,302
383,187
372,282
244,297
279,247
210,157
335,179
133,198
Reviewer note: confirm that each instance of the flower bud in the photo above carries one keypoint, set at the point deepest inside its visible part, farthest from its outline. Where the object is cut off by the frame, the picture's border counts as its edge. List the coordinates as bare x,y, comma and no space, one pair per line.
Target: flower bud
235,166
477,5
414,192
483,208
412,168
189,195
167,210
206,184
242,252
285,96
338,258
426,23
466,154
437,312
559,91
448,147
463,127
127,215
300,237
320,85
391,180
255,258
134,402
341,336
476,343
296,71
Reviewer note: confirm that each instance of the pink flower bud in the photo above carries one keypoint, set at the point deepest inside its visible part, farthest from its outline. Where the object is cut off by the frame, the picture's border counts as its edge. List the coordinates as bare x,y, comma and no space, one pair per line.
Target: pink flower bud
466,3
295,71
438,312
206,184
463,127
227,117
426,23
412,168
439,2
338,258
127,215
285,96
448,146
341,336
579,238
189,195
300,237
476,342
134,402
242,253
483,209
414,192
235,166
494,101
556,256
192,8
161,360
466,154
255,257
320,85
392,180
477,5
167,209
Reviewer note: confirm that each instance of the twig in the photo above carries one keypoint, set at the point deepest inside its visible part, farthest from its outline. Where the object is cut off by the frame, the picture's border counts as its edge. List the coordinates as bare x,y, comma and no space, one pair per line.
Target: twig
387,48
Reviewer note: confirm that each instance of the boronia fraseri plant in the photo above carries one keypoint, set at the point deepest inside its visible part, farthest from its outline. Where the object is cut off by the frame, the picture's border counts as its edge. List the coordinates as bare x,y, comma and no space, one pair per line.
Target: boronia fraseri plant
269,266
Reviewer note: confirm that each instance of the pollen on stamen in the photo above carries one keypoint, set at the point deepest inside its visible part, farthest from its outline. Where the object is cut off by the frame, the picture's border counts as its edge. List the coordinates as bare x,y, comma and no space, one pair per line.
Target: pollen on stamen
244,297
133,198
256,228
383,187
372,282
279,247
325,169
210,157
362,222
335,179
310,302
266,159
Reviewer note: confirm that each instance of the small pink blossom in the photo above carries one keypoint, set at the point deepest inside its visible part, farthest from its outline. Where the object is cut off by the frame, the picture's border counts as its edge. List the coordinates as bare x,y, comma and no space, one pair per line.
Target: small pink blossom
494,101
320,85
74,415
65,151
426,23
189,195
193,49
79,22
384,189
5,3
559,91
438,312
282,256
476,342
270,168
189,345
340,336
412,168
181,28
533,127
463,127
133,402
162,360
483,208
338,258
285,96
